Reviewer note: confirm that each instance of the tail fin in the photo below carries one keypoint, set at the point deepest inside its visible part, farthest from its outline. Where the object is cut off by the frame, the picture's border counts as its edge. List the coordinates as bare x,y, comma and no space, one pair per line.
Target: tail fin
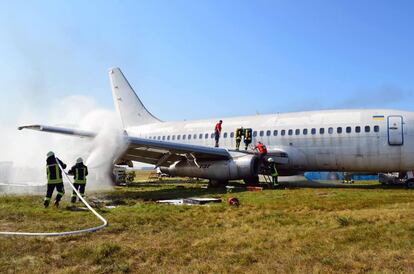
127,103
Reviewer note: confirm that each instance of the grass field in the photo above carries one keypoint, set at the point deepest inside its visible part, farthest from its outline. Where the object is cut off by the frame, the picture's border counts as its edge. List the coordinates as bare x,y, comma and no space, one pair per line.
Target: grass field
291,230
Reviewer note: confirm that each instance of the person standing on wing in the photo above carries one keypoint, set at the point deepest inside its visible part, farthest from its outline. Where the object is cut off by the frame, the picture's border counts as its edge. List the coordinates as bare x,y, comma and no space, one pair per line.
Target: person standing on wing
239,135
54,179
79,172
217,132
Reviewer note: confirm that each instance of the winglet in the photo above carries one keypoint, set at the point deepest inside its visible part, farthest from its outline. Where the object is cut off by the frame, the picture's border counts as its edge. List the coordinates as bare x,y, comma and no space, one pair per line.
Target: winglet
130,108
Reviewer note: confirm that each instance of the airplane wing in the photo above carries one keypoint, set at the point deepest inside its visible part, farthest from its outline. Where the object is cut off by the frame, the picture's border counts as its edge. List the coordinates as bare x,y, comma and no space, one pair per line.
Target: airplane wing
159,153
60,130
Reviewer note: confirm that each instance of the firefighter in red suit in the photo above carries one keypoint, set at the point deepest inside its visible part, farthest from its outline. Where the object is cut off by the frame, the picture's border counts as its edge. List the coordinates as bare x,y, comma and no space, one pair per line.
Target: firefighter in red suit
261,149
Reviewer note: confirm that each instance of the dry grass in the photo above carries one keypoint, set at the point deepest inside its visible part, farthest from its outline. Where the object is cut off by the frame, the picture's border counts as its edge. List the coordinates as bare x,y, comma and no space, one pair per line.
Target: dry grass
285,230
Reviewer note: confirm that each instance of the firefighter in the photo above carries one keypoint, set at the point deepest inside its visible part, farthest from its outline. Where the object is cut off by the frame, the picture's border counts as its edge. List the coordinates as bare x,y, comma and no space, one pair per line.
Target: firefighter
247,137
79,172
54,179
261,149
273,171
217,132
239,135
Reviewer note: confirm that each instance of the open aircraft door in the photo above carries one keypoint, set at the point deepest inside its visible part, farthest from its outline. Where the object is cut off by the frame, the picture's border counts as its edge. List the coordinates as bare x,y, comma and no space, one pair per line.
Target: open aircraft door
395,131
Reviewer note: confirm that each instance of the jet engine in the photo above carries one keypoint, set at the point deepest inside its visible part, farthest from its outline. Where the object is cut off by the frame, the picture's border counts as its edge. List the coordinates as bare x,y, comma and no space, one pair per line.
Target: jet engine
243,167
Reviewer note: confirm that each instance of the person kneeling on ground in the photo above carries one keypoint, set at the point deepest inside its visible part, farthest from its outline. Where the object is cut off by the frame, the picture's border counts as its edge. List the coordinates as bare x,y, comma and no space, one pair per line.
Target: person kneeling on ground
54,179
79,172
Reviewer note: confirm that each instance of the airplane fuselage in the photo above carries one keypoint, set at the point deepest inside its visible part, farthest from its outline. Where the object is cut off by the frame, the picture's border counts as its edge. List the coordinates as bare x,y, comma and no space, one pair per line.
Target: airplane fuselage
375,140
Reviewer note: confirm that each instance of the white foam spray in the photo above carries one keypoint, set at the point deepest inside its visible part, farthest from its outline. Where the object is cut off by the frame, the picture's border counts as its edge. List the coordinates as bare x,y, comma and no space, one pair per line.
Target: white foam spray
27,149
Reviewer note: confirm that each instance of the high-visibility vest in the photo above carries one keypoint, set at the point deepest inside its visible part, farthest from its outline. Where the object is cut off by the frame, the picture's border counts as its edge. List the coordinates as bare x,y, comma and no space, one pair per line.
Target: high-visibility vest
247,134
239,133
80,175
54,175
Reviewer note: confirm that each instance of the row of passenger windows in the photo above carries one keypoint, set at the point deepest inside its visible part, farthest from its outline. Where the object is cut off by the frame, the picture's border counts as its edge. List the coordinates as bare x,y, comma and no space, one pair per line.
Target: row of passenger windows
283,132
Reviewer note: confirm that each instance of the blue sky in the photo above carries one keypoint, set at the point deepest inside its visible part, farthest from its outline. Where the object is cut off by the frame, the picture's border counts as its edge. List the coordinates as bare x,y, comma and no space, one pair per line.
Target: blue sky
202,59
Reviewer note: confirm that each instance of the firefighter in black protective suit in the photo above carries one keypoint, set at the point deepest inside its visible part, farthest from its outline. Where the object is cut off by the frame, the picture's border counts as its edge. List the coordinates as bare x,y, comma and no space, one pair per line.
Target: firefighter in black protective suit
54,179
239,135
247,137
79,172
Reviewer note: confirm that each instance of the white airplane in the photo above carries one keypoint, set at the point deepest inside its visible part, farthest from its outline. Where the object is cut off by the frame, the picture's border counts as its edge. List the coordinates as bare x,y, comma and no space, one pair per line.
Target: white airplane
372,141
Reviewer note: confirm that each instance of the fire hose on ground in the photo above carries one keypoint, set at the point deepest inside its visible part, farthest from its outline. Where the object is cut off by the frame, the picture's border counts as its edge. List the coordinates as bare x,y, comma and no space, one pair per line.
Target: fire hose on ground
66,233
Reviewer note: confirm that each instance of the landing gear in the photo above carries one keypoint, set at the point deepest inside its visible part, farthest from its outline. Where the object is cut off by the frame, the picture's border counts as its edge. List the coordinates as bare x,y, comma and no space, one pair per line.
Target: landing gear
410,183
217,183
252,181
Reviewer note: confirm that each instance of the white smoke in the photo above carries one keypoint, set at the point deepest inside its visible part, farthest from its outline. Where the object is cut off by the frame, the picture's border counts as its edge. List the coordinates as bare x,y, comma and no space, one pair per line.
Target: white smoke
27,149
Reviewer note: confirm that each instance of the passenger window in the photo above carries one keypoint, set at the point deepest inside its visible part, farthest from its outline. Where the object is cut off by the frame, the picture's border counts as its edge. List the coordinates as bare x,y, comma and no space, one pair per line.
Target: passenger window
321,130
254,133
261,133
358,129
290,132
232,135
184,136
195,136
206,136
313,131
348,129
339,130
212,135
305,131
189,136
268,133
297,132
274,132
200,136
330,130
367,128
376,128
178,137
159,138
283,132
163,138
173,137
168,137
225,135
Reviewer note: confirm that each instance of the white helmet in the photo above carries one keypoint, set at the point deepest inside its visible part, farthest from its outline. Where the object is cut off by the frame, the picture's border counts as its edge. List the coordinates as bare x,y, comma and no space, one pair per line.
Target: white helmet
270,160
79,160
50,153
